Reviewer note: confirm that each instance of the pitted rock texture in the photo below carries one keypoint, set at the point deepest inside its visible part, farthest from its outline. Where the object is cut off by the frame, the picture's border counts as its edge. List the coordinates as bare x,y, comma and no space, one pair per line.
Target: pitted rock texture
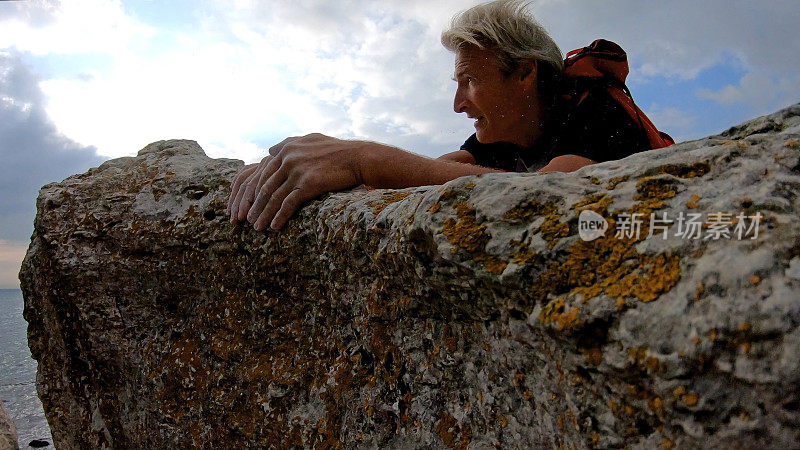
8,430
467,315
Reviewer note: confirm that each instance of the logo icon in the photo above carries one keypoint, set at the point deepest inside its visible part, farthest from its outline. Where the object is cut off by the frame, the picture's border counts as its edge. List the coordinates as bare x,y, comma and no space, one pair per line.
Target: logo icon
591,225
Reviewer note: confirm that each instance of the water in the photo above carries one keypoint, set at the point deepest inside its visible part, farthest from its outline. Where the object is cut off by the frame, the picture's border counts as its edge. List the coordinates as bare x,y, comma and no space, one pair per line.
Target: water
18,372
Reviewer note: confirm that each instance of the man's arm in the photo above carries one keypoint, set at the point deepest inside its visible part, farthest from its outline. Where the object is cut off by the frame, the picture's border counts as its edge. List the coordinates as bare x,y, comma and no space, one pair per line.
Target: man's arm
390,167
300,169
461,156
566,163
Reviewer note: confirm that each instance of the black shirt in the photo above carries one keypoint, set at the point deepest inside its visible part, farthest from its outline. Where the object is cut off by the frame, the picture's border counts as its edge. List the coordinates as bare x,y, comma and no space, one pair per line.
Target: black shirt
599,129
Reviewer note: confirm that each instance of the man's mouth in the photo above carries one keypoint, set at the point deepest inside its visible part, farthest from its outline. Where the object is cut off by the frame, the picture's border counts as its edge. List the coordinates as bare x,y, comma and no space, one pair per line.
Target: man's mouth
478,119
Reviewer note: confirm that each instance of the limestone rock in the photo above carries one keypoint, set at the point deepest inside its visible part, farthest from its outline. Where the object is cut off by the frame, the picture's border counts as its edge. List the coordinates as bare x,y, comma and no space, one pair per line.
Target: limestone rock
8,431
467,314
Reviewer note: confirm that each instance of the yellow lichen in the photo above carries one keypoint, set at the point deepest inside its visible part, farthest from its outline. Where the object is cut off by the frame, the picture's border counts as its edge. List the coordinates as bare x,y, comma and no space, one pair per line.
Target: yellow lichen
612,266
598,202
692,203
492,263
467,234
387,199
555,313
657,405
612,183
697,169
690,399
523,255
529,210
654,188
447,195
551,230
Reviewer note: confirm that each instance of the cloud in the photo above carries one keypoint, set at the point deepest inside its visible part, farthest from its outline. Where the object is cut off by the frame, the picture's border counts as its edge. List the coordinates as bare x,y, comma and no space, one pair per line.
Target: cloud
68,27
679,123
32,152
251,73
757,89
377,68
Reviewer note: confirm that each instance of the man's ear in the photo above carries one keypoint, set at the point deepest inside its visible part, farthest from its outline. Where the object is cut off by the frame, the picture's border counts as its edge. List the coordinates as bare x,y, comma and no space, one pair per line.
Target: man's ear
527,72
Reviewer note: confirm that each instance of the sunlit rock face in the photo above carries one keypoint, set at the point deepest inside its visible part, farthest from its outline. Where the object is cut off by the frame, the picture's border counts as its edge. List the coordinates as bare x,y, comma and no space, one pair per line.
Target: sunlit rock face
471,314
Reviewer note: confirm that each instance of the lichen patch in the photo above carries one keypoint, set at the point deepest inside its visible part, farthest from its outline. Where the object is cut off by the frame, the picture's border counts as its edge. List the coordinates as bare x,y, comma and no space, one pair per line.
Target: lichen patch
387,199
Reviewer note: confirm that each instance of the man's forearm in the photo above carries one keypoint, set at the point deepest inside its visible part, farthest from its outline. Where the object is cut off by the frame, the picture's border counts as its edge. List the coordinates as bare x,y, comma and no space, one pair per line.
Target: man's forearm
384,166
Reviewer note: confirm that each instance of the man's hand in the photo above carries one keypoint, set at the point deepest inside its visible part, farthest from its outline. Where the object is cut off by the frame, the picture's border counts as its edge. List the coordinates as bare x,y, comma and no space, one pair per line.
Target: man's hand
238,187
296,170
301,168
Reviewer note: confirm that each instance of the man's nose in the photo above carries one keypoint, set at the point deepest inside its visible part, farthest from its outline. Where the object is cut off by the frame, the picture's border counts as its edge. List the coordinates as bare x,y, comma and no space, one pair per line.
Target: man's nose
459,102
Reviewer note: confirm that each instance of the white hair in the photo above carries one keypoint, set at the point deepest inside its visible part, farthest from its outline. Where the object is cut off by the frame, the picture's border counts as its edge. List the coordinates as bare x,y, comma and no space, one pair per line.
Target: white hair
507,29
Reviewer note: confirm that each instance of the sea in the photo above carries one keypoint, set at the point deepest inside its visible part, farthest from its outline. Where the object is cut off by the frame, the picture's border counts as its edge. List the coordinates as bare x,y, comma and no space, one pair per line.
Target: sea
18,373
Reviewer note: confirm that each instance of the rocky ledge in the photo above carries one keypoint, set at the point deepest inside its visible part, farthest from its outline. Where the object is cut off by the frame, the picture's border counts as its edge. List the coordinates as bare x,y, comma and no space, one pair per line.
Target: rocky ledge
471,314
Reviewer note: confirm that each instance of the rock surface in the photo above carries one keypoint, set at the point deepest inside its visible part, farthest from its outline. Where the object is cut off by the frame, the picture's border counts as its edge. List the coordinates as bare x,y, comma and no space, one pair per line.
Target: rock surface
465,315
8,430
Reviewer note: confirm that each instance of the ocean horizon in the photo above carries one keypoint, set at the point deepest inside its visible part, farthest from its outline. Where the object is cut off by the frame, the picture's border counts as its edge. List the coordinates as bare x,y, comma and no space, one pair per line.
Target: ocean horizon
18,372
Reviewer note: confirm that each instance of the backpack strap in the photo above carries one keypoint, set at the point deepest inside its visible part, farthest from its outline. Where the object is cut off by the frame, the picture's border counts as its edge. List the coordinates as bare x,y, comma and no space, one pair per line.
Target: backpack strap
605,64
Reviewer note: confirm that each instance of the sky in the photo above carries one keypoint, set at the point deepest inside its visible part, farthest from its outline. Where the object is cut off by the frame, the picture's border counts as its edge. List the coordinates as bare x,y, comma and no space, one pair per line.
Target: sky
83,81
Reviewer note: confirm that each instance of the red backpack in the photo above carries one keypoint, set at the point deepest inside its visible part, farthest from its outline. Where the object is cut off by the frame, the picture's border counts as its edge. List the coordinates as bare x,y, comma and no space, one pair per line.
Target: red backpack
604,62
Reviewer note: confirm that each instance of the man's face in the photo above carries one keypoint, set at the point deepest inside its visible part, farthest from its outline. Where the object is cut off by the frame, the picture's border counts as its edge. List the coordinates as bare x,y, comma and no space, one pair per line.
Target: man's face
502,106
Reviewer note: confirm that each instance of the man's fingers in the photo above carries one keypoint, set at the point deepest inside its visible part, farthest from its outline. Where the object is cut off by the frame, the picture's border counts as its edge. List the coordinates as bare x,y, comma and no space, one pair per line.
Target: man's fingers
265,215
236,201
247,195
268,169
290,204
276,149
271,188
237,182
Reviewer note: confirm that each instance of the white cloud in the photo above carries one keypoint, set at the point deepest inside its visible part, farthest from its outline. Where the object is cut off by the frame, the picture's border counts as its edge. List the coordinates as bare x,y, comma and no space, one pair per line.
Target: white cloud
677,123
756,89
254,71
213,94
76,26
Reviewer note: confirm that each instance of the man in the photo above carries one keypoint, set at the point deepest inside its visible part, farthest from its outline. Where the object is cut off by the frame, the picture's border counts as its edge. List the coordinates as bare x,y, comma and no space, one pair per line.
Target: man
507,68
